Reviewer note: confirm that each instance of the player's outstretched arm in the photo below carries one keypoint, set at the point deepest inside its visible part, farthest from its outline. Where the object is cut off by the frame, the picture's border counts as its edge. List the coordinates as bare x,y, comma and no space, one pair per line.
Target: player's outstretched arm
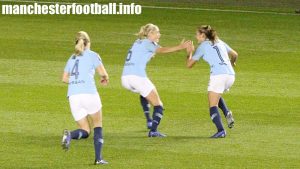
182,45
103,74
189,61
65,77
233,57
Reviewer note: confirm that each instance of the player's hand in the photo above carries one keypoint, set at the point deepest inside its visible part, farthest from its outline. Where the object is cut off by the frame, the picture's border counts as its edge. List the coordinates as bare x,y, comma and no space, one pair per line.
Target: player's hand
184,44
190,48
233,61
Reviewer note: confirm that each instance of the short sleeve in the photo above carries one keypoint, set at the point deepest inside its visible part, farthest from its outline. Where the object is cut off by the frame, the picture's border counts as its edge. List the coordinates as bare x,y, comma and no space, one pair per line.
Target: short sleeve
228,48
152,46
199,53
97,61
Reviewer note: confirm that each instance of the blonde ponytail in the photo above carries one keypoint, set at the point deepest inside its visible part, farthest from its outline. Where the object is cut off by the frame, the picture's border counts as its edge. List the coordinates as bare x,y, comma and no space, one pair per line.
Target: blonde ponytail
79,47
81,41
146,29
141,33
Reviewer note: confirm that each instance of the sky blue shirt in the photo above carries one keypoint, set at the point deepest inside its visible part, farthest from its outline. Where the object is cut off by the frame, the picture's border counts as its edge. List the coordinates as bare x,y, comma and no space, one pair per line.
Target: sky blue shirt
138,57
216,55
82,70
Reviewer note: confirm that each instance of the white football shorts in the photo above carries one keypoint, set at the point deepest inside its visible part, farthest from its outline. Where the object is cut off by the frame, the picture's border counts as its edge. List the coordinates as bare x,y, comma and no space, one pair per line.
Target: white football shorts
137,84
220,83
84,104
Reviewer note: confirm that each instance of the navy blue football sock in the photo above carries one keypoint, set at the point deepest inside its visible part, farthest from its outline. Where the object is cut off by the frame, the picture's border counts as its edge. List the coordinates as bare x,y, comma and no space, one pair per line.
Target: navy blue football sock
146,107
79,134
216,118
157,116
98,142
223,107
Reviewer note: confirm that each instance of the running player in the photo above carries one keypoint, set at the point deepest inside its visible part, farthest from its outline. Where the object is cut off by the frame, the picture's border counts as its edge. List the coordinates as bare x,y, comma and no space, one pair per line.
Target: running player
134,77
82,93
221,58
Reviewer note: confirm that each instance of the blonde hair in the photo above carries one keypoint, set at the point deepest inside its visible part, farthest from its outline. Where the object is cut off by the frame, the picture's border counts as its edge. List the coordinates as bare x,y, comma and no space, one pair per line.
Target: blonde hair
146,29
81,41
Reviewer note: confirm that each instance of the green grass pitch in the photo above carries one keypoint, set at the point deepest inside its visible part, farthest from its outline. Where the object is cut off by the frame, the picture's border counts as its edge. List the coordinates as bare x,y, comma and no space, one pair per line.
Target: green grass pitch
265,98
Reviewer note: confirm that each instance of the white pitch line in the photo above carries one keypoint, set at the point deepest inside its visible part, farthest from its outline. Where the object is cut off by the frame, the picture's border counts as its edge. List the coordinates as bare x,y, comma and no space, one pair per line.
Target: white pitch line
171,8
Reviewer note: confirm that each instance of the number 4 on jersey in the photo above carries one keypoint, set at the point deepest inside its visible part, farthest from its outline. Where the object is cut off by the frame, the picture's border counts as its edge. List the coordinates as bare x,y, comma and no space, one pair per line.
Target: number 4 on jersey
74,71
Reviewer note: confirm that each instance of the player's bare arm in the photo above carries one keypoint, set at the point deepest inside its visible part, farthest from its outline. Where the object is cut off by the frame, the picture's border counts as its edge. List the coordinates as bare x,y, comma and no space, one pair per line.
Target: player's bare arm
182,45
189,61
233,57
65,77
103,74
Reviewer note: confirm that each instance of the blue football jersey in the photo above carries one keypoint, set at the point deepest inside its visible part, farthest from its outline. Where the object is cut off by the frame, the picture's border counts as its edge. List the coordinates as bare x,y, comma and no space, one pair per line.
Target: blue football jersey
216,55
82,70
138,57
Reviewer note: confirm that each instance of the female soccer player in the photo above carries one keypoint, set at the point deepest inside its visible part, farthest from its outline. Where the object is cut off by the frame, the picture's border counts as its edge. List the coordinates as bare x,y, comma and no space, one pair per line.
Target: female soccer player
82,93
216,53
134,76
